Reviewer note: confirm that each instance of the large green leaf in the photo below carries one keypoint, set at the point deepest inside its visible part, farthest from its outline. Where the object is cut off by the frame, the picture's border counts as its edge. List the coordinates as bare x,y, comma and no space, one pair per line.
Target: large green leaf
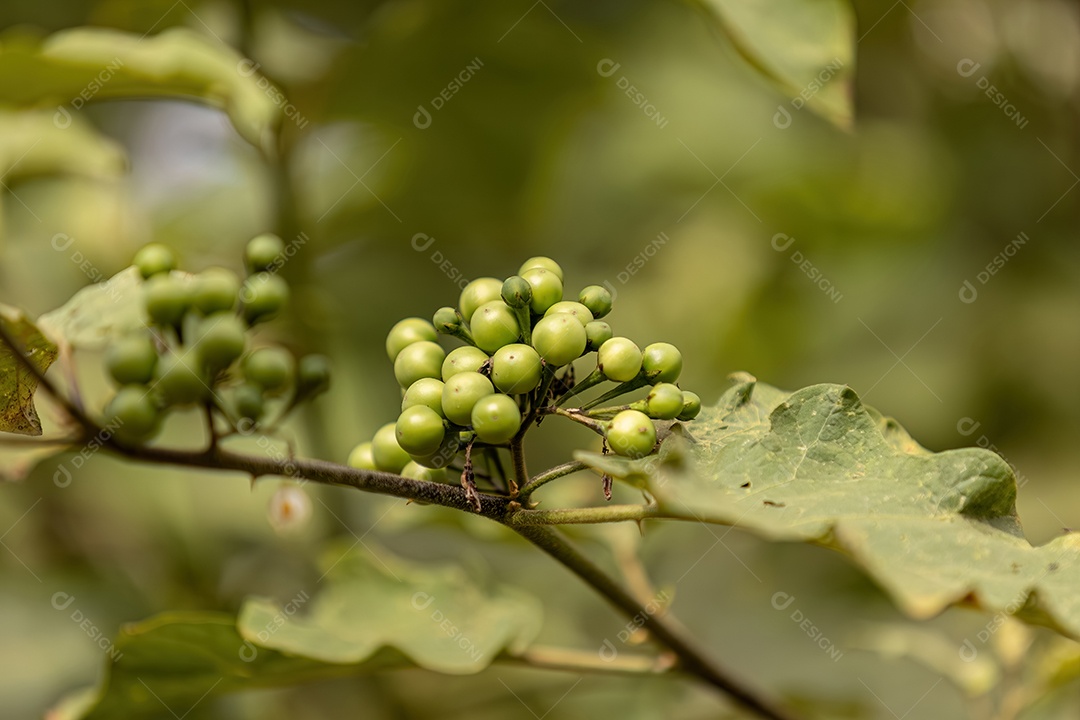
17,383
806,47
438,617
98,312
31,145
816,465
371,613
70,68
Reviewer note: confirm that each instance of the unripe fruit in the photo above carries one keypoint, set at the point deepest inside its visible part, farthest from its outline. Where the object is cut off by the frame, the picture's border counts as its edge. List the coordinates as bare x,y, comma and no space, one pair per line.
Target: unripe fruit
221,339
312,376
446,321
546,287
496,419
388,455
631,434
154,259
542,262
215,290
416,471
419,360
597,333
494,325
662,362
406,332
271,368
133,414
576,309
167,298
691,406
448,449
248,401
664,402
362,457
619,359
131,359
515,369
463,359
263,295
560,339
517,292
597,298
461,393
479,292
419,430
179,380
263,251
426,392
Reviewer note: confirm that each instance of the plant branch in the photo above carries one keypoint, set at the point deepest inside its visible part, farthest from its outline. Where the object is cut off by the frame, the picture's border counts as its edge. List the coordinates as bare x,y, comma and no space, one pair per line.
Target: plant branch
548,475
500,509
590,661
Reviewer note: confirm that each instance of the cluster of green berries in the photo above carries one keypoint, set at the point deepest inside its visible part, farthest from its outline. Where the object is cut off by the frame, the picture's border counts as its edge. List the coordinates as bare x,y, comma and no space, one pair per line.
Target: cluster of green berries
196,343
517,334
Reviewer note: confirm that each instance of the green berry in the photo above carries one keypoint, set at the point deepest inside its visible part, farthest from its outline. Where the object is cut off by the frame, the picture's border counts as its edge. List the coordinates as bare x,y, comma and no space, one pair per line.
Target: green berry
167,298
248,401
263,295
262,252
422,359
560,339
542,262
631,434
619,359
463,359
215,290
662,362
416,471
388,455
494,325
546,287
597,298
179,379
362,457
597,333
425,392
271,368
448,449
517,292
221,339
479,292
154,259
579,311
130,360
406,332
133,414
447,321
664,402
496,419
312,376
461,393
419,430
691,406
515,369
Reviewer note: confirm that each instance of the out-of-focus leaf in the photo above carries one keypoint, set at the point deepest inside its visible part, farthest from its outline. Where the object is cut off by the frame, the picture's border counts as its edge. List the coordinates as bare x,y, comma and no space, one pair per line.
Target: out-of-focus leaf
933,529
98,312
77,66
436,616
31,145
806,47
17,383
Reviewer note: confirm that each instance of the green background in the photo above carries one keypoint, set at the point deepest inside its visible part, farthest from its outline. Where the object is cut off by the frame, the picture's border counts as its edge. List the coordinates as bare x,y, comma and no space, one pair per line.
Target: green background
539,153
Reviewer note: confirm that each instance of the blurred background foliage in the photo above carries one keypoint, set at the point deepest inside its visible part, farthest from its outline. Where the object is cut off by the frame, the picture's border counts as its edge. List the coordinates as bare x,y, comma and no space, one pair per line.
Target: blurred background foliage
540,153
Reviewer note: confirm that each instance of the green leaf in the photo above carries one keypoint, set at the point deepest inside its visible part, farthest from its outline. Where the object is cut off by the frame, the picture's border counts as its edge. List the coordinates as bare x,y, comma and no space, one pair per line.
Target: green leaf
368,617
170,663
816,465
31,145
805,47
98,312
72,67
17,383
437,617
